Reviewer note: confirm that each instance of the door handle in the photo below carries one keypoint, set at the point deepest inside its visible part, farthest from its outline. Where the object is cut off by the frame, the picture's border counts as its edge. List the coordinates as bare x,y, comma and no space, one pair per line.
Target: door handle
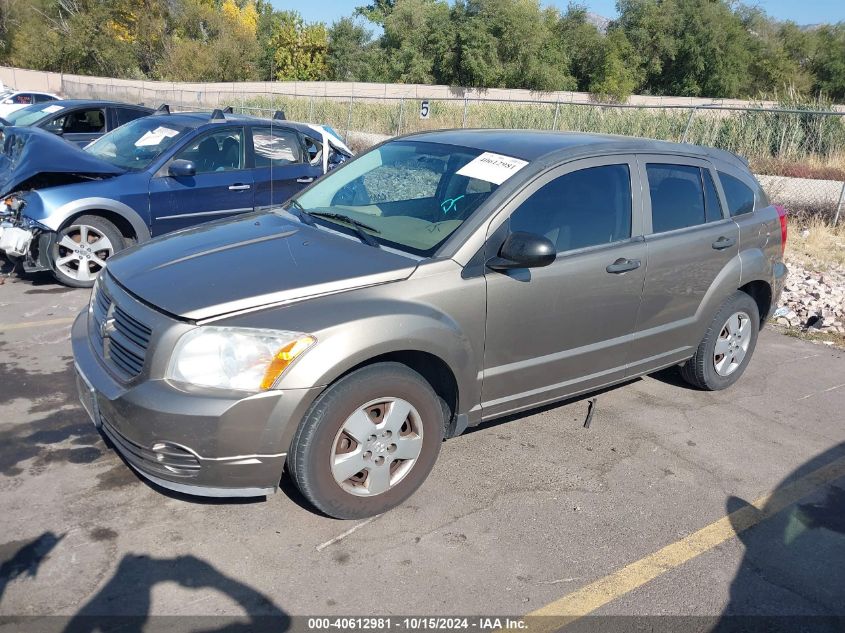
723,242
623,265
238,187
305,180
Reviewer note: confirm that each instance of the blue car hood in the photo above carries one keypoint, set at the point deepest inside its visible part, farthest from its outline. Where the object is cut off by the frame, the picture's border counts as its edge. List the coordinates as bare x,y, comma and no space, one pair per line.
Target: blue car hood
32,159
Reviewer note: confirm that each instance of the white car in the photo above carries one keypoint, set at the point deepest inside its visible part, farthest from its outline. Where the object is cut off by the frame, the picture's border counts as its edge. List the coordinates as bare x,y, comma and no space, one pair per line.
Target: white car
11,100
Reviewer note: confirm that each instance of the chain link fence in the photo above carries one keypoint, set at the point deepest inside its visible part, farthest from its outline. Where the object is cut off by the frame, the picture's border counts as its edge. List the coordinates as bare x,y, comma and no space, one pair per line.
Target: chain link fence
798,153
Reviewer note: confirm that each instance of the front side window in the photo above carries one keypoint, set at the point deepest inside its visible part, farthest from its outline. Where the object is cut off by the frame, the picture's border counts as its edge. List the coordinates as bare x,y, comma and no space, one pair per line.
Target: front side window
740,197
412,194
22,98
80,122
276,146
138,143
219,151
677,196
583,208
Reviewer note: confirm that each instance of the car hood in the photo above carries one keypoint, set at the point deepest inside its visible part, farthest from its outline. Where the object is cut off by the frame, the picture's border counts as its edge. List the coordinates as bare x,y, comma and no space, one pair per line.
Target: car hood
32,159
254,261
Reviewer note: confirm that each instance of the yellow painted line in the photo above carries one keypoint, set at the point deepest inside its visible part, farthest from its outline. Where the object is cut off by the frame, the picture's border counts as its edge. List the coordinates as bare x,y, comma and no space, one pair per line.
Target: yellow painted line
584,601
6,327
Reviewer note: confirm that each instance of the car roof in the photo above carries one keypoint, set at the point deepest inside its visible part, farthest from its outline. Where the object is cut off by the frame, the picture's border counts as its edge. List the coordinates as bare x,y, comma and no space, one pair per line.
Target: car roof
532,145
72,103
200,119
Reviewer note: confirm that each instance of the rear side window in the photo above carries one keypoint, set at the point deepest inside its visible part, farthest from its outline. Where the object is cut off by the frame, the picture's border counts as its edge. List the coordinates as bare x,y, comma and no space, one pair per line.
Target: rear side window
582,208
677,196
276,147
125,115
712,206
740,197
43,98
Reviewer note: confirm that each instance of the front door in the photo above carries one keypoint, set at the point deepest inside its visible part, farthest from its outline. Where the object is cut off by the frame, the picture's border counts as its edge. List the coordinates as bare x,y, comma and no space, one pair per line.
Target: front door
282,164
221,186
565,328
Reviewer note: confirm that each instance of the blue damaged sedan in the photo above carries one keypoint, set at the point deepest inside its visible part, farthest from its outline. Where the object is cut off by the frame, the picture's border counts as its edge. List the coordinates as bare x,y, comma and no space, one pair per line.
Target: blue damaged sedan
68,210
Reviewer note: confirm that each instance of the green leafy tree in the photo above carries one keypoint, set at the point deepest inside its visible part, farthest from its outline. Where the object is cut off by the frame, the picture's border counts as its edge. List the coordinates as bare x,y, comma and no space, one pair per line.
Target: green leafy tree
300,48
829,61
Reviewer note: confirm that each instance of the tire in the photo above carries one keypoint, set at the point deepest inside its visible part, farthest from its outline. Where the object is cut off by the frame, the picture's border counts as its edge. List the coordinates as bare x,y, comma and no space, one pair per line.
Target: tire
334,439
75,265
734,329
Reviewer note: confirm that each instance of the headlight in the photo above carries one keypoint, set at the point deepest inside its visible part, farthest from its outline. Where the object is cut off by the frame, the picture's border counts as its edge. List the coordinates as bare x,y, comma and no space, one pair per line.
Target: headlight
235,358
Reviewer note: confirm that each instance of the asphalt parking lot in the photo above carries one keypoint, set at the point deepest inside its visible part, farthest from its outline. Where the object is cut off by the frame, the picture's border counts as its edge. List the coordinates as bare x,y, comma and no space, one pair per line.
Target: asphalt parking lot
531,513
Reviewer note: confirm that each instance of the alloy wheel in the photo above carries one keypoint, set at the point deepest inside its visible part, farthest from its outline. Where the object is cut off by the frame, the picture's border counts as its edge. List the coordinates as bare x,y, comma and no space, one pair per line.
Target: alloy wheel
82,252
732,344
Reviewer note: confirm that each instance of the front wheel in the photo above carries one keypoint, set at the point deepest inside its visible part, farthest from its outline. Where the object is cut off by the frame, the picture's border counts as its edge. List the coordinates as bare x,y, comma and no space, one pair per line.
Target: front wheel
368,441
80,250
726,348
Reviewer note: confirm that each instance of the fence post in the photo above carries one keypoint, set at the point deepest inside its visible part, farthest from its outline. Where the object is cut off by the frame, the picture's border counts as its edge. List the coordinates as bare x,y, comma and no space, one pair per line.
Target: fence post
311,108
349,117
401,112
464,119
839,205
689,122
557,112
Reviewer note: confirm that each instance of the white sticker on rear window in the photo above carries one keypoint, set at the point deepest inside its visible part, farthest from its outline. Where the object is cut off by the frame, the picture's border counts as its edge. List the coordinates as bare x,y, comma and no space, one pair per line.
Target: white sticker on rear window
155,137
52,108
491,167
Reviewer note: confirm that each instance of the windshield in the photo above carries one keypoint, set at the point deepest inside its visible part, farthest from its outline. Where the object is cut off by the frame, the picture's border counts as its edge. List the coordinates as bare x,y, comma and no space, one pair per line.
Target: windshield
31,114
412,194
138,143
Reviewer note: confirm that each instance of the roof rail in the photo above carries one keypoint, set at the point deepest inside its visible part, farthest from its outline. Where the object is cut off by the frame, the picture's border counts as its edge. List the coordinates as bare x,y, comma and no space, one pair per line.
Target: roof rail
228,110
162,109
279,115
218,115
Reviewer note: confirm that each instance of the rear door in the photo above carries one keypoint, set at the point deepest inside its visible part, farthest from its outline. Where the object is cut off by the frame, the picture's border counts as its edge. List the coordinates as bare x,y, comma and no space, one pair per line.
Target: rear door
690,241
281,165
565,328
221,187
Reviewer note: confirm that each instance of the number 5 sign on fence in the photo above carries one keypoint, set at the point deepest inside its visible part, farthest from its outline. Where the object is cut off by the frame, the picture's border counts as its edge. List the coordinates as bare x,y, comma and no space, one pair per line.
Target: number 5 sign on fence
424,109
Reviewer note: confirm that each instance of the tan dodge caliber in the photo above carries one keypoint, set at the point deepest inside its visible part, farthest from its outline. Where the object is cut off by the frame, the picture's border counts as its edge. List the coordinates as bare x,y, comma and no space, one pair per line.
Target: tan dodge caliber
437,281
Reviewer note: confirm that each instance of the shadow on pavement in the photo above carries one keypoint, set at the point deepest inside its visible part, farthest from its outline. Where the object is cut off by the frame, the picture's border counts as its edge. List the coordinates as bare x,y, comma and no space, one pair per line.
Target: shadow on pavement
124,602
26,559
792,576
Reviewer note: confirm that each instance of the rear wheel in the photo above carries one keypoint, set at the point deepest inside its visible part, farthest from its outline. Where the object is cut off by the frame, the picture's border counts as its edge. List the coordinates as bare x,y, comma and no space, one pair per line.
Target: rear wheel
726,348
368,441
81,249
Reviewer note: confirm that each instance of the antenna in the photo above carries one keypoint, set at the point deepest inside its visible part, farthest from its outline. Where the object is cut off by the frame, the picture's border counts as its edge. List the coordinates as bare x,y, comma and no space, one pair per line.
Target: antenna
279,115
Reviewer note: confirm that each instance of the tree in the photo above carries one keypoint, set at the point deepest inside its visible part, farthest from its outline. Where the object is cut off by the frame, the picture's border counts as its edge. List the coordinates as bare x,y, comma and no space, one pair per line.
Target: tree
829,61
348,54
300,49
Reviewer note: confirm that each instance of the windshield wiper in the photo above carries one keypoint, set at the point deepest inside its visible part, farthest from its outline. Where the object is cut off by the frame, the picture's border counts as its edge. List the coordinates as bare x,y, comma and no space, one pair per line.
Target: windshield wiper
358,226
303,215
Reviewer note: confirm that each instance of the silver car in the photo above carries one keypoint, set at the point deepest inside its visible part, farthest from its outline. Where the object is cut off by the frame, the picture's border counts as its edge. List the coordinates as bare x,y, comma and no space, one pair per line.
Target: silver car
438,281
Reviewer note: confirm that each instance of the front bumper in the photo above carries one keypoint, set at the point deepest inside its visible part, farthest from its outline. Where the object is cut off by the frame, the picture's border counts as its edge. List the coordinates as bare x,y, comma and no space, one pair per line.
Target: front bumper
194,442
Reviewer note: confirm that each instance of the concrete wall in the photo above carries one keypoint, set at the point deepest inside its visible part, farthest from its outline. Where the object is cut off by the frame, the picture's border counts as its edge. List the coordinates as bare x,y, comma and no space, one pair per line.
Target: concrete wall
216,93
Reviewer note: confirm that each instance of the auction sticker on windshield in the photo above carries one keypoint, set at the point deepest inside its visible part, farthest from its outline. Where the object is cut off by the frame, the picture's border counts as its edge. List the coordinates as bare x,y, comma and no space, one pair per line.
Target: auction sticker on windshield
156,136
491,167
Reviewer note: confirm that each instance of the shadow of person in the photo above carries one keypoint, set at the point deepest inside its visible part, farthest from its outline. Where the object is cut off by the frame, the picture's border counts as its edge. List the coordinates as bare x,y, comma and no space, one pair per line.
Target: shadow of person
27,559
125,600
792,576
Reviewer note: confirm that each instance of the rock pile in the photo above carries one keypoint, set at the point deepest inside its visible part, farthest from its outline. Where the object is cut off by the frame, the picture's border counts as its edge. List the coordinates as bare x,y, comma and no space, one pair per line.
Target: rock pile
813,299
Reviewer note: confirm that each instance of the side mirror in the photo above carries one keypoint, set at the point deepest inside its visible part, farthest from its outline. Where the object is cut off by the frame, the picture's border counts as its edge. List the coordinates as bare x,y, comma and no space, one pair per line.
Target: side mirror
524,250
181,168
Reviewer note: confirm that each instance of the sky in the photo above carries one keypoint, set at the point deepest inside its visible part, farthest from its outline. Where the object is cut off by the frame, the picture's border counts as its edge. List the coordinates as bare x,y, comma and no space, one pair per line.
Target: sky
802,12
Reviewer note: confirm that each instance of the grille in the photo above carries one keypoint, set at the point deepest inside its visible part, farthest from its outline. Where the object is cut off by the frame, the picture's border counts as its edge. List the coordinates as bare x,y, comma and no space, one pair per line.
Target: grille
121,338
164,458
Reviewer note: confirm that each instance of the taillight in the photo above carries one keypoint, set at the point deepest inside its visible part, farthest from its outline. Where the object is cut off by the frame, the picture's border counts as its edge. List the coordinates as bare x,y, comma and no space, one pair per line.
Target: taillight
782,217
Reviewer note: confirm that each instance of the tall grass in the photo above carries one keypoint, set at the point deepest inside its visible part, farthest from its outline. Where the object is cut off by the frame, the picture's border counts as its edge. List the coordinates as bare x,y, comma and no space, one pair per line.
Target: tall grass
772,141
